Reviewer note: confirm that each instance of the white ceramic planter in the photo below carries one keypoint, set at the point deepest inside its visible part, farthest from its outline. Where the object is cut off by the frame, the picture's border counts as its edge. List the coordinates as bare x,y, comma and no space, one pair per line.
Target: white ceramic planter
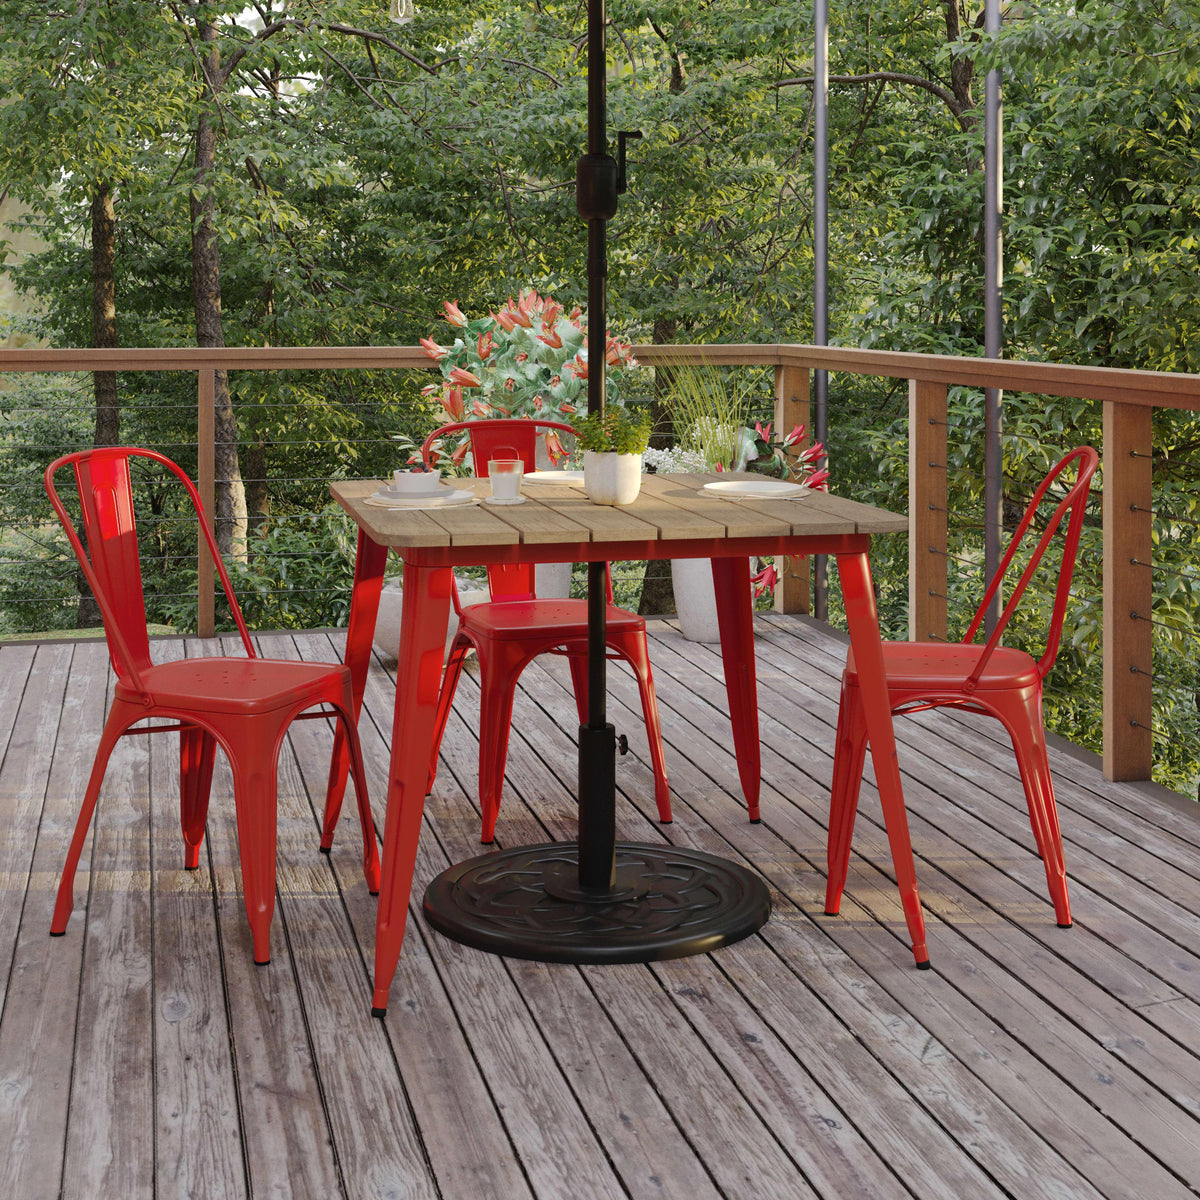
391,601
552,581
695,599
612,478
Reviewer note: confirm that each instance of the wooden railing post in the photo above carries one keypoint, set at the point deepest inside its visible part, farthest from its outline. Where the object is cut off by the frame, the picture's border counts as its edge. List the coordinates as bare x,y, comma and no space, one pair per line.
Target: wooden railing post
791,409
927,511
1128,590
206,485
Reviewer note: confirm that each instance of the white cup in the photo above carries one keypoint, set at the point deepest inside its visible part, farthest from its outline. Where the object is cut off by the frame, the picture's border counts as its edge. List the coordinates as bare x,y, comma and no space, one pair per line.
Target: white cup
505,474
415,483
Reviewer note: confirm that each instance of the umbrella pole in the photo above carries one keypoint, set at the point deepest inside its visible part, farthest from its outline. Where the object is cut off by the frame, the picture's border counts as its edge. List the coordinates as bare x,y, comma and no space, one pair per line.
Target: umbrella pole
596,200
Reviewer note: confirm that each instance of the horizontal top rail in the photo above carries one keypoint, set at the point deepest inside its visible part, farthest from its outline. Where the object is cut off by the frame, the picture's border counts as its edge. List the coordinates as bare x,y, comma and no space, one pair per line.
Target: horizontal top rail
220,358
1163,389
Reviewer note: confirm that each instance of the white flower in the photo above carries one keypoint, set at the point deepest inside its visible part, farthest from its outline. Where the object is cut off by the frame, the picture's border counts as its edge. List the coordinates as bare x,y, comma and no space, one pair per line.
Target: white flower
674,460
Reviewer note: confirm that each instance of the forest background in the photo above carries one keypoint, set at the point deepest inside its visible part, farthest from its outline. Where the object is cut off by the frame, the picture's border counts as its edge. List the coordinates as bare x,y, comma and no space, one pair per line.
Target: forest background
309,173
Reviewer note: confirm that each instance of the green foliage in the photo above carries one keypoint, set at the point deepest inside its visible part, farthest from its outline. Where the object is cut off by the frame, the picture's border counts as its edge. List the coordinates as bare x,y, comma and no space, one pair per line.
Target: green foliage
710,409
362,178
527,359
616,430
297,576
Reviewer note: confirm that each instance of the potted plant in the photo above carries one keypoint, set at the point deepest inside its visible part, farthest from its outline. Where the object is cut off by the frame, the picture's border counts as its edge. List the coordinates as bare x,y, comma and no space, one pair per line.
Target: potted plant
613,443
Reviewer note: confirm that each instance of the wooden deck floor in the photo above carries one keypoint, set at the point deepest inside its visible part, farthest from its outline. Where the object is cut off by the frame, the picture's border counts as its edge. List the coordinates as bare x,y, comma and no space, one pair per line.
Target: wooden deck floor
145,1055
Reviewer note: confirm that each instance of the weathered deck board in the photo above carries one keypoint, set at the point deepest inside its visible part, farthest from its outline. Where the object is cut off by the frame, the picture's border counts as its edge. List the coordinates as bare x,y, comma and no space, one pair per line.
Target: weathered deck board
145,1053
1012,1151
43,987
198,1136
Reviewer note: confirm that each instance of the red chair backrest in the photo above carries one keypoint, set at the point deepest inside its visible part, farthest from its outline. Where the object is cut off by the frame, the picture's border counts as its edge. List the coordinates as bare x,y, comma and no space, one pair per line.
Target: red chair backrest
110,562
500,437
514,437
1073,503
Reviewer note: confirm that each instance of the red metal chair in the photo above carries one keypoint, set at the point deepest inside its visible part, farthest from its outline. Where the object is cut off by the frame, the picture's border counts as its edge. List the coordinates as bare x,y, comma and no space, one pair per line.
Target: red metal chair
514,627
243,704
989,678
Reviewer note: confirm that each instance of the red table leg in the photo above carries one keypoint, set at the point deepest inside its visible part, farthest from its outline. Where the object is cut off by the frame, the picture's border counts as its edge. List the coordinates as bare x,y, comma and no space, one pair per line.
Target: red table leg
863,620
735,620
364,608
423,621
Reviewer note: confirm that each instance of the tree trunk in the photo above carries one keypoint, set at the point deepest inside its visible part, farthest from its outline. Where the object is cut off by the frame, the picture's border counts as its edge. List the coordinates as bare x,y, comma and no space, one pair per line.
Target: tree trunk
229,520
258,500
104,335
104,312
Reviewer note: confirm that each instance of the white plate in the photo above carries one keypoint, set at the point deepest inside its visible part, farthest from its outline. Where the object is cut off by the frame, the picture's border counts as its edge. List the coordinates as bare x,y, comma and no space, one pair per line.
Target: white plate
562,478
452,497
758,489
498,500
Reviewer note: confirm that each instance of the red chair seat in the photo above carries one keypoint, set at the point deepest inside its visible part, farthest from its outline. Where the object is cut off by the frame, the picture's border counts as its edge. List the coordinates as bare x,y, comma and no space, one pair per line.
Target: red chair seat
234,685
941,665
525,619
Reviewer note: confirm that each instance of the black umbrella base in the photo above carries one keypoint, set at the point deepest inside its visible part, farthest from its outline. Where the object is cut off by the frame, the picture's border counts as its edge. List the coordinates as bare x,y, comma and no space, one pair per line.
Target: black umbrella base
526,903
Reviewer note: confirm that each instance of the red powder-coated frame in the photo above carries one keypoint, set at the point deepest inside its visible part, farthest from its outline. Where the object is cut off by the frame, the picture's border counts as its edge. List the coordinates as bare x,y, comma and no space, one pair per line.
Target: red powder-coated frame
987,678
515,627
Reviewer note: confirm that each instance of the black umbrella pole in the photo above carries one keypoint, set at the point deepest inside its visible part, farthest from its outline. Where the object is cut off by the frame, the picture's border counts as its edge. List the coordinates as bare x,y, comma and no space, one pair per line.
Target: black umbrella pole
596,200
597,755
597,738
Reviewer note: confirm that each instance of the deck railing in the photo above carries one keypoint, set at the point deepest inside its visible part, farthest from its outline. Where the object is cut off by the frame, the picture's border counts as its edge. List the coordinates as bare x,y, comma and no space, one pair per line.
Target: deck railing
1128,398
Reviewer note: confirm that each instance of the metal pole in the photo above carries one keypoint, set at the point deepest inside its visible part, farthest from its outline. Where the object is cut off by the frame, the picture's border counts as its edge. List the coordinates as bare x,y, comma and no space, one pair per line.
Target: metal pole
821,255
596,200
993,268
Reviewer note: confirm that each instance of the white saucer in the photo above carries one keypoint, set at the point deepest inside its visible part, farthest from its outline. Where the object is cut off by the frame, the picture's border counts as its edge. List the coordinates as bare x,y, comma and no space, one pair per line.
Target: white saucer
446,497
498,500
562,478
757,489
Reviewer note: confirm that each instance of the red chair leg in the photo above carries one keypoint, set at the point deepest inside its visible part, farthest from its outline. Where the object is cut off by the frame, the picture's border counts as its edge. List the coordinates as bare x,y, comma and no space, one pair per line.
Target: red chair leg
850,755
359,775
499,666
458,655
197,753
862,617
1021,713
579,681
634,649
119,719
364,609
255,792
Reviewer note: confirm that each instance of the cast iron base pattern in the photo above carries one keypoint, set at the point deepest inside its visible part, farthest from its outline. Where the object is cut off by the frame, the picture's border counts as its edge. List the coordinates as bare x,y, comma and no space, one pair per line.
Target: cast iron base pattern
669,903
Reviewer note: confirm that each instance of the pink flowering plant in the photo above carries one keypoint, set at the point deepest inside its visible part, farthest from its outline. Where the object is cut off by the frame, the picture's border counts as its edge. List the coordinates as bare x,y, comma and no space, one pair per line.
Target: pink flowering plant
778,457
528,359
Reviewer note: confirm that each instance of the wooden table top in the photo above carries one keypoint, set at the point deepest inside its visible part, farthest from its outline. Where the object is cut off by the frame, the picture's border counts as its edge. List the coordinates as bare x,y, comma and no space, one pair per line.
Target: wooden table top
669,508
